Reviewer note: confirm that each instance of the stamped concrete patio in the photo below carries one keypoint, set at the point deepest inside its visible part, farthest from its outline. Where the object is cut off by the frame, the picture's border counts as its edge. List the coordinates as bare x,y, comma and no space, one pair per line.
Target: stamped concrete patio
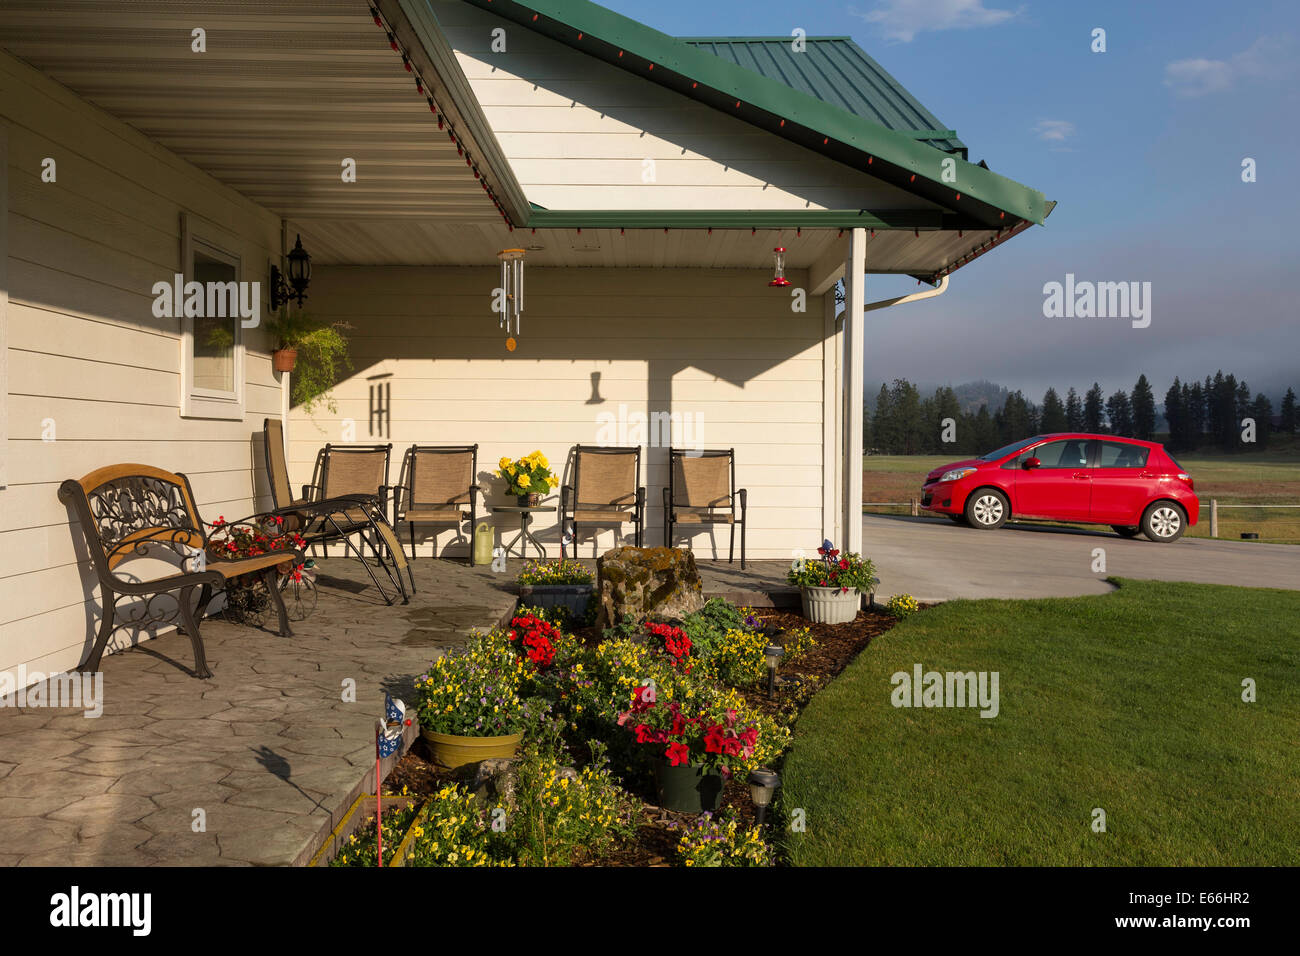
268,748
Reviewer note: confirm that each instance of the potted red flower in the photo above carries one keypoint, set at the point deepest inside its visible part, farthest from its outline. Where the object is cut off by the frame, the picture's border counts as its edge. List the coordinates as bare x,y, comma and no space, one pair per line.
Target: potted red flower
831,588
692,750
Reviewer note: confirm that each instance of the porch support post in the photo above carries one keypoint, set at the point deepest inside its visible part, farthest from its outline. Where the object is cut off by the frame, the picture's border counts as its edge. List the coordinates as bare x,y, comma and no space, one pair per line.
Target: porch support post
854,340
832,470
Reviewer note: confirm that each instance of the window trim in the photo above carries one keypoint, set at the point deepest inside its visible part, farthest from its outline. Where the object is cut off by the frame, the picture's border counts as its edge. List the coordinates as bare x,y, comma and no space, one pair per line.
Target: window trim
195,402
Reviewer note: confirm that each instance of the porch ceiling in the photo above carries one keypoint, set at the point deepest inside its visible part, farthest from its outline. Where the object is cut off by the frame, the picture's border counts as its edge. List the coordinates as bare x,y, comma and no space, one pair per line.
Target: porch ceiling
476,244
286,90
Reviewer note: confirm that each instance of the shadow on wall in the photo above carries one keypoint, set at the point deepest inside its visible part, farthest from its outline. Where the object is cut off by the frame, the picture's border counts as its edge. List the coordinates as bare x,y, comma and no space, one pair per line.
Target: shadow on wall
724,324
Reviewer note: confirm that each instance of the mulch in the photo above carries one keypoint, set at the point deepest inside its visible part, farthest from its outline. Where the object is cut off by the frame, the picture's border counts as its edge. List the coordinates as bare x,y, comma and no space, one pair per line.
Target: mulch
657,834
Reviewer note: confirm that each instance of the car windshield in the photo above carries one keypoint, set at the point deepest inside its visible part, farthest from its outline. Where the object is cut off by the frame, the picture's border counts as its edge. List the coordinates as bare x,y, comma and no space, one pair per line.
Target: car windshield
1008,449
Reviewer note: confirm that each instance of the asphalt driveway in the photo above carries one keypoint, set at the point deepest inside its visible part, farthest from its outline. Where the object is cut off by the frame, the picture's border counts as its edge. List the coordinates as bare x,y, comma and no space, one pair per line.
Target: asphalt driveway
935,560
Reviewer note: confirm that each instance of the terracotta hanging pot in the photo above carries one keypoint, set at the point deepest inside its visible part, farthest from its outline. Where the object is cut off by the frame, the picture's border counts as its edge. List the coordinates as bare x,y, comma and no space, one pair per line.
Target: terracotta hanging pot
283,360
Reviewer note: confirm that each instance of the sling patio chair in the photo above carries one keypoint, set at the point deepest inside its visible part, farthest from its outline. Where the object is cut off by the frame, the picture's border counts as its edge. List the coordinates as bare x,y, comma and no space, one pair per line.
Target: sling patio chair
350,500
702,491
439,488
606,489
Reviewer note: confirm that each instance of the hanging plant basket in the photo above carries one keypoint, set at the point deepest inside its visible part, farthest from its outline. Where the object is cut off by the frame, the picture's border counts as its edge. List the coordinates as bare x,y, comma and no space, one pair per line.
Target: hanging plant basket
283,360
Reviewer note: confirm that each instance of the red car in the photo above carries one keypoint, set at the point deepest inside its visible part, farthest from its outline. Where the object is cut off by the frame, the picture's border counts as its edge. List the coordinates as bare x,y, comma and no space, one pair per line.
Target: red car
1133,486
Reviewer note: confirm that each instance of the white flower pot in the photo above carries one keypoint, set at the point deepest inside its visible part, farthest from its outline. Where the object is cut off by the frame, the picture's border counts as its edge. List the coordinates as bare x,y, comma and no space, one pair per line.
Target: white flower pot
830,605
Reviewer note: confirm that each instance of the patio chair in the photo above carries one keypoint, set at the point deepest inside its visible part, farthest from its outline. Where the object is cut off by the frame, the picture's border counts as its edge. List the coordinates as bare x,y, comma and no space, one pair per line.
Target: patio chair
606,489
702,491
349,501
439,488
138,511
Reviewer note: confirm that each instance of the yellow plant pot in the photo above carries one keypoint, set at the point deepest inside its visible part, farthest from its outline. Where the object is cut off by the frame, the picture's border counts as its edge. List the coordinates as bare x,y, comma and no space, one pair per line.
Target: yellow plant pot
451,752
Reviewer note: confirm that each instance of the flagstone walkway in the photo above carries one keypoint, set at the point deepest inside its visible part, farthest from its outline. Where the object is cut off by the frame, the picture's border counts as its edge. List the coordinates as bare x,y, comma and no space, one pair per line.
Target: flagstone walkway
256,765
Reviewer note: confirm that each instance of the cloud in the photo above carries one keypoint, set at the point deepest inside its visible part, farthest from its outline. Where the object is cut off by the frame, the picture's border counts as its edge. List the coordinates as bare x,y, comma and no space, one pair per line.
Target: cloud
1197,76
1054,131
902,20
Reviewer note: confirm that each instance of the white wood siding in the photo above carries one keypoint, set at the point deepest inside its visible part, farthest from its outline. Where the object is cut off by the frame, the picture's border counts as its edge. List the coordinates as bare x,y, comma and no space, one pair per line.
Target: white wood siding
581,134
86,353
719,344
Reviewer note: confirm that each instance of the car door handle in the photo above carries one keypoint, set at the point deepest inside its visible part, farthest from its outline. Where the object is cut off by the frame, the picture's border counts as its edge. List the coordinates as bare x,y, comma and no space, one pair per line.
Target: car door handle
1082,476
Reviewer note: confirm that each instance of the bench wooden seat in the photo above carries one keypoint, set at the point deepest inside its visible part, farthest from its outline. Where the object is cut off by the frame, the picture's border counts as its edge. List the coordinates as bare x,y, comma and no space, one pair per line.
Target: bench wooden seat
134,511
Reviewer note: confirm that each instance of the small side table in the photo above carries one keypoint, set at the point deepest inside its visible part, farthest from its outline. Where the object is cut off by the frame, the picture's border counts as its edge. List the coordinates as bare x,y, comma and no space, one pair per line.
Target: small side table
524,538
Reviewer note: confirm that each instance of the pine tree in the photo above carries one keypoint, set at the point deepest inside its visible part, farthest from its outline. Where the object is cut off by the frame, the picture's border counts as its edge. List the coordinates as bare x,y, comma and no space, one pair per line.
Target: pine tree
1194,410
905,407
883,426
984,431
1073,411
1144,409
1289,420
1016,419
1053,418
1261,409
1175,418
1093,404
1120,414
947,406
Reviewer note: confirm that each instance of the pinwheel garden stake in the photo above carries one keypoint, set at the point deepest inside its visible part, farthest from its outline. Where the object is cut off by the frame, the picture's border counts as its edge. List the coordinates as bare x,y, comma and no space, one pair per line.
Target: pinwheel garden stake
388,736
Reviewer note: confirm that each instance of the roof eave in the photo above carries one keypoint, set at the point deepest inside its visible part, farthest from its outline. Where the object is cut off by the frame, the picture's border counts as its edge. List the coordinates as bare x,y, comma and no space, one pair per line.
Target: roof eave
890,156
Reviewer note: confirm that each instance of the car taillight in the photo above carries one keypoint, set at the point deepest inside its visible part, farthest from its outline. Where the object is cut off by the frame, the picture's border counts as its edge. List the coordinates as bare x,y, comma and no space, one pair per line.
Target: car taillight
1183,476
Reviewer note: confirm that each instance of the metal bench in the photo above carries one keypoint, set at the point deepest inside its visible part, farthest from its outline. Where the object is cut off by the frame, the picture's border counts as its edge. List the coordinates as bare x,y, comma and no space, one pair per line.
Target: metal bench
138,511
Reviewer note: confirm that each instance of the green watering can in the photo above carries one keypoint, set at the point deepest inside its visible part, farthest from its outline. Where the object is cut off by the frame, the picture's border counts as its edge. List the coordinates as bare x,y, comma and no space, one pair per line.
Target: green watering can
483,543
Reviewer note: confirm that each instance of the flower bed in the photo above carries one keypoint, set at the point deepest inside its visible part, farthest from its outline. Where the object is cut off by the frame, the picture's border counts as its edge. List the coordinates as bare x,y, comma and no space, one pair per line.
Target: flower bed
597,712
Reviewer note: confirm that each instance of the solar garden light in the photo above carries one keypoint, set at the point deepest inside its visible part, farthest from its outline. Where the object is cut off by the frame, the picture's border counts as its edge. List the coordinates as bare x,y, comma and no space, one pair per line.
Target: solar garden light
762,787
772,654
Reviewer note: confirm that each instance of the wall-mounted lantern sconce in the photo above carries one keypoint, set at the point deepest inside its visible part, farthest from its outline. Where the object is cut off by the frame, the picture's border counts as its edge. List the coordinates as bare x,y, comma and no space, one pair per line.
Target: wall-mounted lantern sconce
298,280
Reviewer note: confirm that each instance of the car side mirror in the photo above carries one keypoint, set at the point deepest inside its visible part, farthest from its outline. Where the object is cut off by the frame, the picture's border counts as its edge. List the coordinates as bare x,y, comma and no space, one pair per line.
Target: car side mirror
1033,463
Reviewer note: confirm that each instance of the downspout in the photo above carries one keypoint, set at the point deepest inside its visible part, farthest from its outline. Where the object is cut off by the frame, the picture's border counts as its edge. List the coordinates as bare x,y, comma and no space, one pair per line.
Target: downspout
940,289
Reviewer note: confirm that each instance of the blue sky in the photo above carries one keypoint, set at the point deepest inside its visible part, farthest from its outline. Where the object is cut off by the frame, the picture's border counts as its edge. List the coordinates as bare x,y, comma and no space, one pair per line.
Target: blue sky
1141,146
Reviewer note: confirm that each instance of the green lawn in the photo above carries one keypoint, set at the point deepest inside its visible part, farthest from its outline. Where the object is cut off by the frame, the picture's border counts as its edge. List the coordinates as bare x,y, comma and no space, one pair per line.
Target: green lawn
1269,477
1129,701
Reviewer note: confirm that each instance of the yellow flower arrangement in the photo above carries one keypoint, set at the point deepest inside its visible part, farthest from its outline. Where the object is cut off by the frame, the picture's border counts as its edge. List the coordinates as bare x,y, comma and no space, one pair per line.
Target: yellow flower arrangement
528,475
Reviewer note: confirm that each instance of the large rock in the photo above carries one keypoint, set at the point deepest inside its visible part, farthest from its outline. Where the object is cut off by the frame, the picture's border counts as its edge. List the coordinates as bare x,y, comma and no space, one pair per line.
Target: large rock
636,583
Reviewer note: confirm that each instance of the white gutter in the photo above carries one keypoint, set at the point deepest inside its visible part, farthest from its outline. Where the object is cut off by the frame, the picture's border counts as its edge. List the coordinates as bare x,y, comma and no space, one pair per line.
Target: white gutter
940,289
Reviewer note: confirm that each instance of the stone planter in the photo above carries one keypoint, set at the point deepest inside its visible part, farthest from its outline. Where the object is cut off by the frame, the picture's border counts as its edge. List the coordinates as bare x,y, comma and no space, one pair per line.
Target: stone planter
687,788
574,597
830,605
451,752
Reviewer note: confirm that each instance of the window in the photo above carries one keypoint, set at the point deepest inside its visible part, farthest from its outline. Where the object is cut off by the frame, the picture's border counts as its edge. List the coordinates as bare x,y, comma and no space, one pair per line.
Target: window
1067,453
212,346
1117,454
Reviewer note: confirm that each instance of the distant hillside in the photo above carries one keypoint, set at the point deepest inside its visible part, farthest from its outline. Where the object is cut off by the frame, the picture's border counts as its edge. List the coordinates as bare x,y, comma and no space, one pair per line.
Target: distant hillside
970,395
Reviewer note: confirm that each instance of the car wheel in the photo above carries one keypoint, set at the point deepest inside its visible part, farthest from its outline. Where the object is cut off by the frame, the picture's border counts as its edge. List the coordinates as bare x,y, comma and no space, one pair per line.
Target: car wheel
957,519
1164,521
1126,530
987,508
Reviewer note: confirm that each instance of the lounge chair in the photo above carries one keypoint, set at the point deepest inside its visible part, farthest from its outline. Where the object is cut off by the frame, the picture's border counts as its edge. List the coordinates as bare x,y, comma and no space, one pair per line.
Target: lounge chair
349,500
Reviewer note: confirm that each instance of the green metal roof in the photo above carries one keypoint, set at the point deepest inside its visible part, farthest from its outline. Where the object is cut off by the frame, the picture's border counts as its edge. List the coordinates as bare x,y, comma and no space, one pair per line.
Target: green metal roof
839,72
889,155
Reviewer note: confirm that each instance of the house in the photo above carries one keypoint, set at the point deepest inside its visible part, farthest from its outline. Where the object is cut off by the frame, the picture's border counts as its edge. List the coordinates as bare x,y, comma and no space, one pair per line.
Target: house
406,143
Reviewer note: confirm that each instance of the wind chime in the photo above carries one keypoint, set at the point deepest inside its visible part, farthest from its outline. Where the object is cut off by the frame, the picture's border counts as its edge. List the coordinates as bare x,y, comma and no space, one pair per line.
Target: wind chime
512,290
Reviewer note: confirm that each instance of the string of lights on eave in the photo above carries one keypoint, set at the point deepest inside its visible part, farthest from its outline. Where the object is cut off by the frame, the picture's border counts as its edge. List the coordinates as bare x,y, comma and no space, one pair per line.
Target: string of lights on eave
423,89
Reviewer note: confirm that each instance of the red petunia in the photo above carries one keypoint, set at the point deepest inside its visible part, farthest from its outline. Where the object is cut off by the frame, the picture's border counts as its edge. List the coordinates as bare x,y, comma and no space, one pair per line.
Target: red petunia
678,754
